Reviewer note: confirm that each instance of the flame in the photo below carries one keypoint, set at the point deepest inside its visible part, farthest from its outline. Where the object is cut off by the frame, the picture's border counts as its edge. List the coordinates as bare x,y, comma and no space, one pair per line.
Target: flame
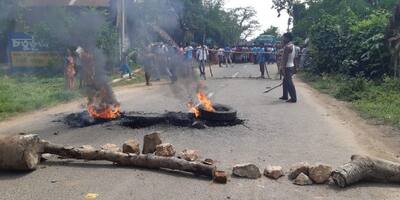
194,109
204,101
107,112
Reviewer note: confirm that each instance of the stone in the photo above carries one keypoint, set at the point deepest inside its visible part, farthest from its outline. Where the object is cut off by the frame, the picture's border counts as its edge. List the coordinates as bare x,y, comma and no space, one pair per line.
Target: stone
150,143
320,173
110,147
165,150
220,177
274,172
298,168
131,146
302,179
190,155
208,161
247,170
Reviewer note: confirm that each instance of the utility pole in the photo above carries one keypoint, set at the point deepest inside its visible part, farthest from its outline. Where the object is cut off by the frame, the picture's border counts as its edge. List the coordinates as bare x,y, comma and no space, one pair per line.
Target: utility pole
122,29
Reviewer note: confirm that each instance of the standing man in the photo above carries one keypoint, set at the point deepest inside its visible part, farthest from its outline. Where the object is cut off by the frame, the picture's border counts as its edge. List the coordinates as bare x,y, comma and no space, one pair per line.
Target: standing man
125,69
70,70
202,54
220,54
262,59
228,56
287,67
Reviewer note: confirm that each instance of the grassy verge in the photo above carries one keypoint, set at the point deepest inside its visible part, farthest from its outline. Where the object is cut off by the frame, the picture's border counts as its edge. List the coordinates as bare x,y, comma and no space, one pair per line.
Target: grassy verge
379,101
26,93
23,93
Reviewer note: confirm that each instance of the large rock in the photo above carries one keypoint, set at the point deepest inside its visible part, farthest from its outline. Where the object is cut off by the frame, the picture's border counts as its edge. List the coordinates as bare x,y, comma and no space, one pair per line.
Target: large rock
165,150
150,143
190,155
302,179
247,171
320,173
131,146
298,168
274,172
110,147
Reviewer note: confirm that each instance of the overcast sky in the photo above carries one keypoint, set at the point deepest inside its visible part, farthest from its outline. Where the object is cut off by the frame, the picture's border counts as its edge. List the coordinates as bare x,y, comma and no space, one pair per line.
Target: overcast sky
265,15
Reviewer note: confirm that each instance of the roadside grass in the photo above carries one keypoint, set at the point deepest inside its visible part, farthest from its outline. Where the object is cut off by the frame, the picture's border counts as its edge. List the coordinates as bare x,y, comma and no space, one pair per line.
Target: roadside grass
22,93
375,100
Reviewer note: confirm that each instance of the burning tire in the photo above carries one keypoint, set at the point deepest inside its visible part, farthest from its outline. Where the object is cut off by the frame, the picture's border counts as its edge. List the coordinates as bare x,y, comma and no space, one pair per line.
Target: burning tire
222,113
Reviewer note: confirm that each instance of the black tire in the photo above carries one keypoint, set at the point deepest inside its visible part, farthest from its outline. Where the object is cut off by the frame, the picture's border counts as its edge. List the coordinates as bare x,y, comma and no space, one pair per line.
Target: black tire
223,113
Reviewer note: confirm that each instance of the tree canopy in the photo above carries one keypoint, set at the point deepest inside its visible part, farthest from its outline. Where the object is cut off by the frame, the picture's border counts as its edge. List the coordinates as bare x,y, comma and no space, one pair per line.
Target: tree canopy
346,36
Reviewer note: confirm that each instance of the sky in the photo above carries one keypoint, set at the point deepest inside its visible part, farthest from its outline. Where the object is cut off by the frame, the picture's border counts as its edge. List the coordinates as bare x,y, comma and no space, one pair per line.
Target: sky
265,14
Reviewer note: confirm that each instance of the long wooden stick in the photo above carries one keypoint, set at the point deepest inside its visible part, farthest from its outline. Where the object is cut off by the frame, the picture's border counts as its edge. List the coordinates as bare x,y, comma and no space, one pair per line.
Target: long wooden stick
145,161
269,90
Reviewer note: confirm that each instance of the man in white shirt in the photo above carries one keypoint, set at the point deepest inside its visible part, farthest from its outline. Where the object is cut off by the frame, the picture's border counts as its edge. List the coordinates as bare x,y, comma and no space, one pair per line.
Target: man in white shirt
288,67
202,54
220,55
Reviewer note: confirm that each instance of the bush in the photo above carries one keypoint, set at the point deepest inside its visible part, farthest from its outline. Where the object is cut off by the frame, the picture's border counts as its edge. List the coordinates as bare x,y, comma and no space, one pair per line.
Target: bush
350,44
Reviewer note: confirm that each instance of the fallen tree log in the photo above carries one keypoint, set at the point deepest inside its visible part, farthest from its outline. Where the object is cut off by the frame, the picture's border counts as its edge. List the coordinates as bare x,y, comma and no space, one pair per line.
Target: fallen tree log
364,168
19,152
144,161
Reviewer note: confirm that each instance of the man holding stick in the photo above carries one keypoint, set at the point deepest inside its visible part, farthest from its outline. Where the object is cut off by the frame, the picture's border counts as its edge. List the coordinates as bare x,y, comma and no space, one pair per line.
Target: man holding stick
288,67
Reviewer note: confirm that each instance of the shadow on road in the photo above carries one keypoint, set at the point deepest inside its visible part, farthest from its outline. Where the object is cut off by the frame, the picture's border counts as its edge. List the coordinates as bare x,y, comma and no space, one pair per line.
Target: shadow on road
94,165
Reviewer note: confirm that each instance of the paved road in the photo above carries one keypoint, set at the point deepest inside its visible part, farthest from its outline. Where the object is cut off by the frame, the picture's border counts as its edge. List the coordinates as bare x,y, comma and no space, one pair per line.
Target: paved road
275,133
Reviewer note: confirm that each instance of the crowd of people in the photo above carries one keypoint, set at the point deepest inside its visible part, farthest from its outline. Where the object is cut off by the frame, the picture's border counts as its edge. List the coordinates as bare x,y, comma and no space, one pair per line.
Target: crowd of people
169,60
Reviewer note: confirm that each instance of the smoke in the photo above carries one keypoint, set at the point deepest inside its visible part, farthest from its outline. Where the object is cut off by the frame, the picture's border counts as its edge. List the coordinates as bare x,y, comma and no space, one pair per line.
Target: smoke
70,27
154,28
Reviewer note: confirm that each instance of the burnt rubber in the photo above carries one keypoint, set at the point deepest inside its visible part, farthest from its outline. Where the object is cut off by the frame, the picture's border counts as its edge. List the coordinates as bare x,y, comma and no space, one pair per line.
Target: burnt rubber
223,113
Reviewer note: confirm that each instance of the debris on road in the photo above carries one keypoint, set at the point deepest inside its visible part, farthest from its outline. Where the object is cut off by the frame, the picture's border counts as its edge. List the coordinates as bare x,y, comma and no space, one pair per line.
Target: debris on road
363,168
19,152
91,196
131,146
141,120
150,142
208,161
302,179
110,147
220,177
23,152
246,170
199,125
298,168
190,155
320,173
165,150
274,172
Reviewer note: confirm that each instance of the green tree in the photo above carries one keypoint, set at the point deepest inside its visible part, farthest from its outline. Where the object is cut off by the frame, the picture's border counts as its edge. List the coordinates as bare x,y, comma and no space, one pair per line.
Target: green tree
272,30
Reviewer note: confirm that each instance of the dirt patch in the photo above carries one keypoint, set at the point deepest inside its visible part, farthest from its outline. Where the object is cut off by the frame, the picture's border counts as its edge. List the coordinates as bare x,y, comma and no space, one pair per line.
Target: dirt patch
375,139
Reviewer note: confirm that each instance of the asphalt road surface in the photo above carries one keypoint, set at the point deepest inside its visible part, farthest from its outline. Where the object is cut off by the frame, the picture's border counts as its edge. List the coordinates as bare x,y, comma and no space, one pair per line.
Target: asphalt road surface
275,133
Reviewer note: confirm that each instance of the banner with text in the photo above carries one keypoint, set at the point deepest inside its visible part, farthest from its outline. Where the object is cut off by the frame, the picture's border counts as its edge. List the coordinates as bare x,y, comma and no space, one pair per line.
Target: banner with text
24,51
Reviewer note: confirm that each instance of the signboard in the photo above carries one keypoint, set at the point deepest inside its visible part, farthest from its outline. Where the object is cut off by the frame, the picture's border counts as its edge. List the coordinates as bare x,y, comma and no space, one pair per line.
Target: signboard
24,51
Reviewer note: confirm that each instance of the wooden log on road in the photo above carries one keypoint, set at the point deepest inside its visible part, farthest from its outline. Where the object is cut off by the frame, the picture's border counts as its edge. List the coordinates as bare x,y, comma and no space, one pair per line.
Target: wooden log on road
144,161
19,152
364,168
